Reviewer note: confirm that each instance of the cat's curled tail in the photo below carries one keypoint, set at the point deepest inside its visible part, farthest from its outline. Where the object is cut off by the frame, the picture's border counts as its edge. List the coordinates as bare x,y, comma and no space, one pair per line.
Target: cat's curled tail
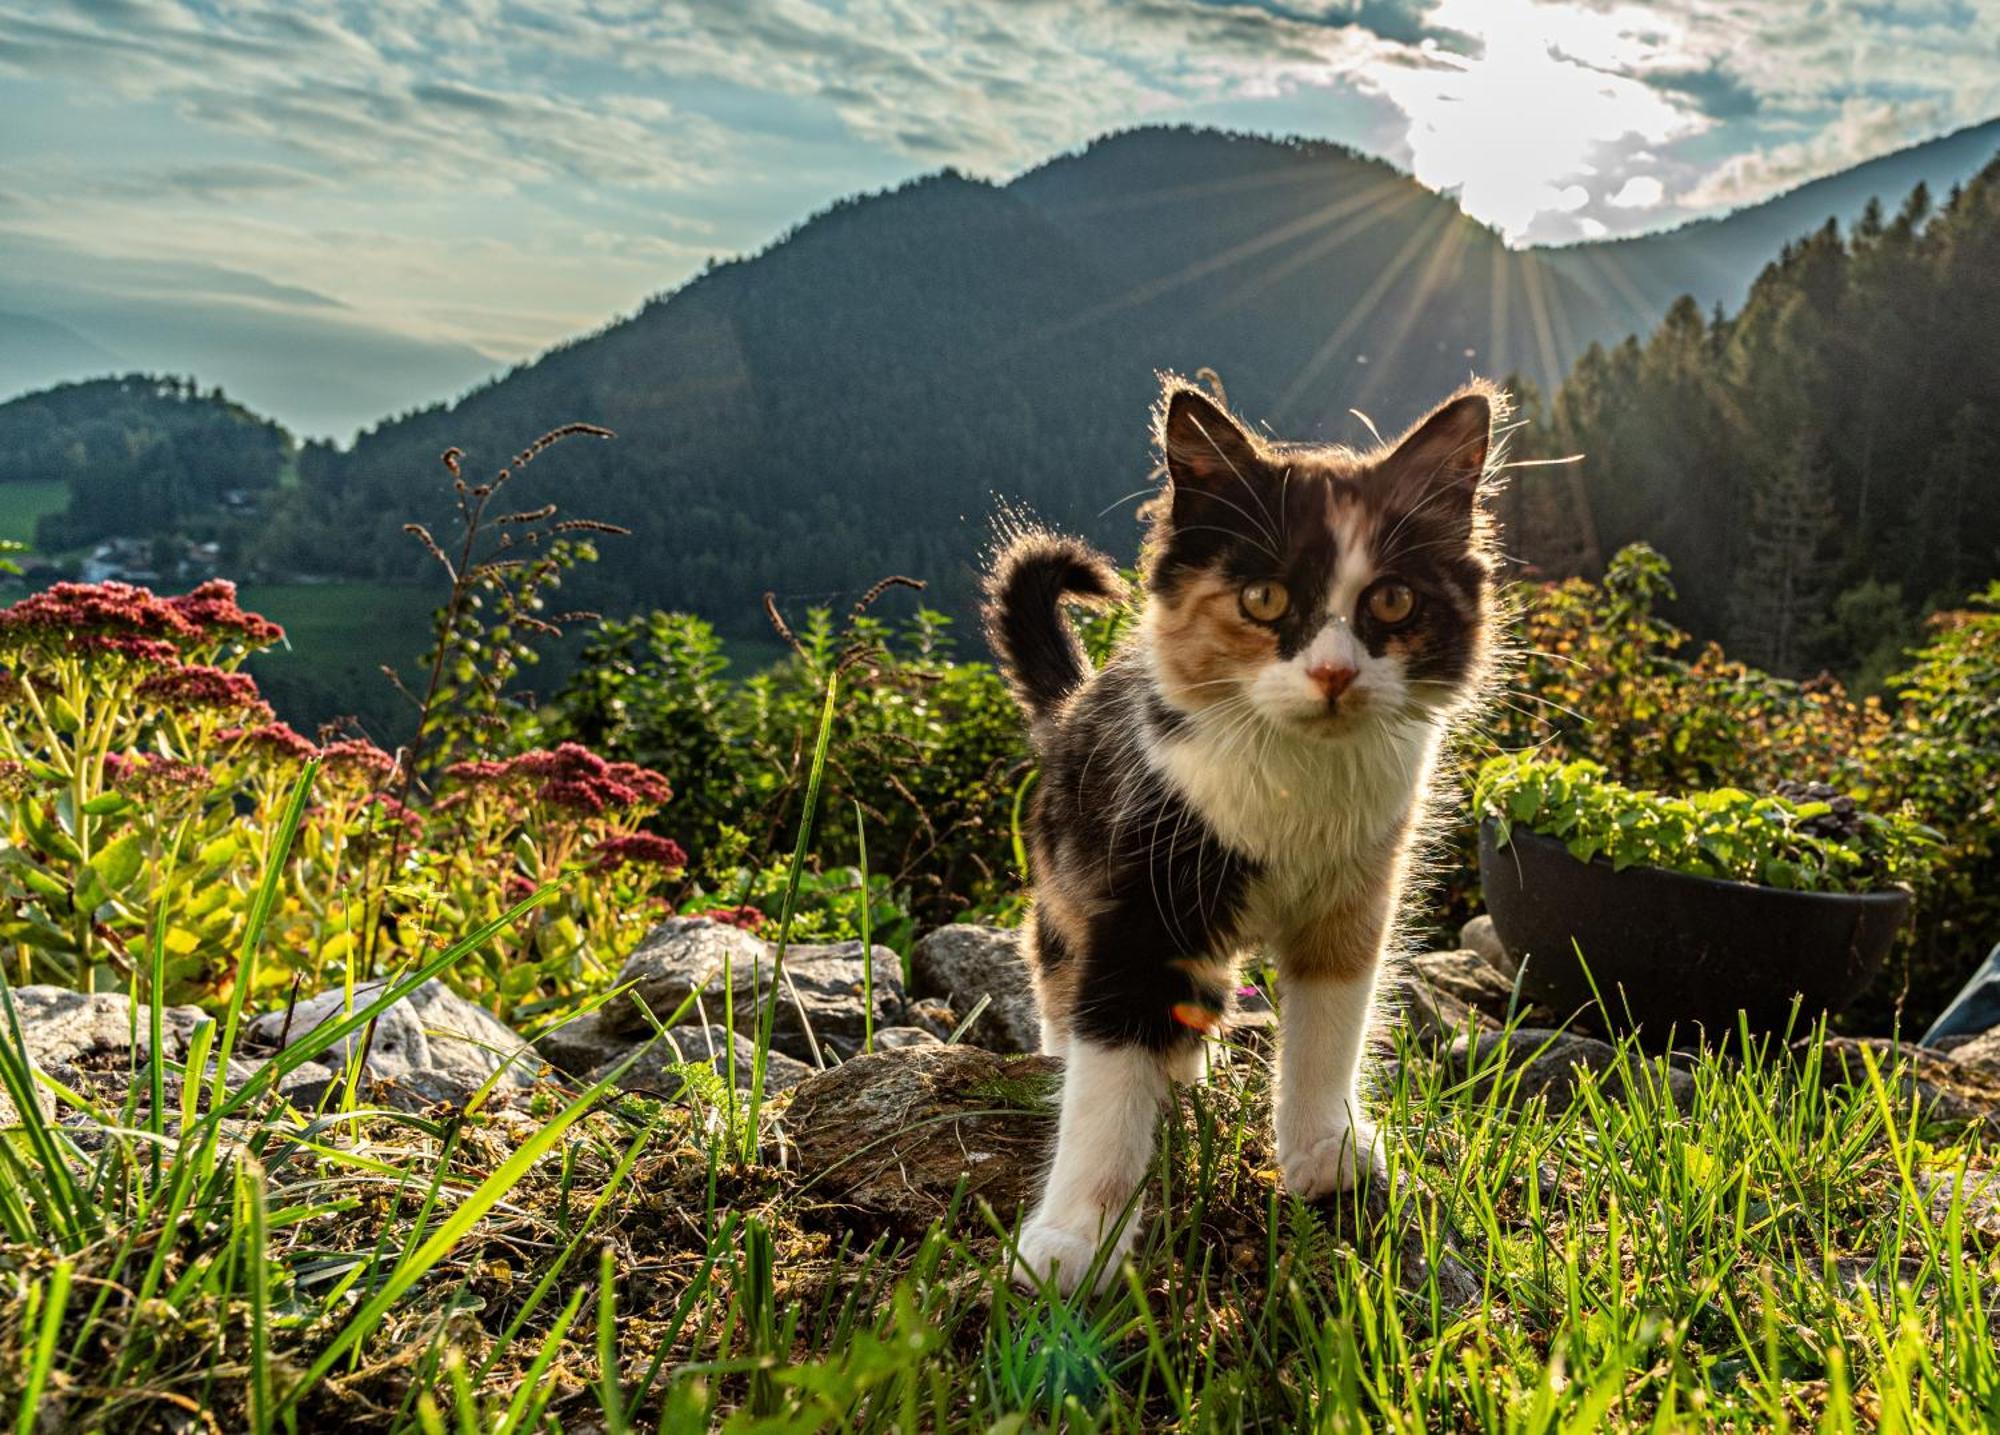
1029,581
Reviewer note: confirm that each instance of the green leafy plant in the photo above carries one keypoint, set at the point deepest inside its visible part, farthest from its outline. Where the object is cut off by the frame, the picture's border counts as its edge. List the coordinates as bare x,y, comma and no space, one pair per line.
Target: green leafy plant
1725,833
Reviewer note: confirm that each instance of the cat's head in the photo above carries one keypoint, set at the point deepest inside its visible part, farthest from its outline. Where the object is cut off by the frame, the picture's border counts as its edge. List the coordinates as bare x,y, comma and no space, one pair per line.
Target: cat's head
1321,588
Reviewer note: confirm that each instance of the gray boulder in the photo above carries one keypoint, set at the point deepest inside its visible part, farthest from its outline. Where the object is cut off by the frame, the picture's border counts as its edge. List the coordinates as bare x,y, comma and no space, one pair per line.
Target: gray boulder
823,986
432,1046
961,963
1478,936
653,1075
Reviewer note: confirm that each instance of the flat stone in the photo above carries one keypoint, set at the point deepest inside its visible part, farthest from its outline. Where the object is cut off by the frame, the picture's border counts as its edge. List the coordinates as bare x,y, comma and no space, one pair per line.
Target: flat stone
895,1038
824,986
964,962
653,1073
1478,935
433,1046
890,1136
1531,1061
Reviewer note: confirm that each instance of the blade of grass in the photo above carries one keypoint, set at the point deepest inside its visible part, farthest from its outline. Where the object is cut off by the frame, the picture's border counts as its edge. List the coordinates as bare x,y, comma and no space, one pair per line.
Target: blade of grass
768,1016
253,928
55,1303
867,937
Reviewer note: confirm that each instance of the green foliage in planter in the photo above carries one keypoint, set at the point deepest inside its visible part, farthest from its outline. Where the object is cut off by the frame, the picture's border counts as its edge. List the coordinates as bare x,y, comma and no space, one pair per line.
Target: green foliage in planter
1724,833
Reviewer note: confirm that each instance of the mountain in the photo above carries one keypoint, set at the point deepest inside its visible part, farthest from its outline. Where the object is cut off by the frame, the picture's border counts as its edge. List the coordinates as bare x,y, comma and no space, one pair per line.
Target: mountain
860,398
1715,260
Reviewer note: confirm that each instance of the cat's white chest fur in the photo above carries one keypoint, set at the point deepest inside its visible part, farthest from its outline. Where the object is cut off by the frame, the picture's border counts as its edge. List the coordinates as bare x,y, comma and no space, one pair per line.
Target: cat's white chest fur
1317,815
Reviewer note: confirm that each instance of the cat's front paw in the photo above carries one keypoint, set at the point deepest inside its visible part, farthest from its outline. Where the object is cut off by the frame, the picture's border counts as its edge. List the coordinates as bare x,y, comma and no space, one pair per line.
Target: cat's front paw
1049,1254
1334,1162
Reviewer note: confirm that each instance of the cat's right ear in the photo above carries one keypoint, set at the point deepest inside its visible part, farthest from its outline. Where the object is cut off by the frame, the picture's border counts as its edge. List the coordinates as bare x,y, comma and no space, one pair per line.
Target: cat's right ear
1206,451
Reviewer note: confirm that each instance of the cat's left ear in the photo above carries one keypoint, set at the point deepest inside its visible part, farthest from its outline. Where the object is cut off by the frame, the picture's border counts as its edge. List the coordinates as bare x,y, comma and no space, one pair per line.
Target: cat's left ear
1440,461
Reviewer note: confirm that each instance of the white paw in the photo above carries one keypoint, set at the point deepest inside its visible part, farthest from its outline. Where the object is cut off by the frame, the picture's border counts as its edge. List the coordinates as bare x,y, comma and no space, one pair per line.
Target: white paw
1333,1162
1050,1255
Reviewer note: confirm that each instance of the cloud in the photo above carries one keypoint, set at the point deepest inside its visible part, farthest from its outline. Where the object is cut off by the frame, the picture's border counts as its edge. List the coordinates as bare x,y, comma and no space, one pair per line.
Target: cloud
1861,130
1641,191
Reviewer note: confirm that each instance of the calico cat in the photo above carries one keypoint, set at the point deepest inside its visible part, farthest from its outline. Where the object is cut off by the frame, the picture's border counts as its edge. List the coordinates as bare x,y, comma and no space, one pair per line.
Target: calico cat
1248,769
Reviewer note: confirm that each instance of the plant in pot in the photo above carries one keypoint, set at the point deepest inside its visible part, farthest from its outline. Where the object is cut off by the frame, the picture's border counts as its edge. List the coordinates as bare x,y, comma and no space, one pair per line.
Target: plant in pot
1636,909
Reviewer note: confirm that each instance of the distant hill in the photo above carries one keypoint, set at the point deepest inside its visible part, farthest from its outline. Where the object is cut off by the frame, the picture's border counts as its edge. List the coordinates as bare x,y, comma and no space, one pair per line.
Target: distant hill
140,455
857,399
1715,260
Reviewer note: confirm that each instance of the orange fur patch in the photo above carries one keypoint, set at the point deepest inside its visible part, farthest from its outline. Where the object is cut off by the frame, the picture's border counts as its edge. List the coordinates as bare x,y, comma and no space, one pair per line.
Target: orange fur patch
1203,641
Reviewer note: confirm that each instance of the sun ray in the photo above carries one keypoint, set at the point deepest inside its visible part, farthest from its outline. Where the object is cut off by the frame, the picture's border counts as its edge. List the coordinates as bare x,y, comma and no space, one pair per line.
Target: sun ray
1443,261
1363,309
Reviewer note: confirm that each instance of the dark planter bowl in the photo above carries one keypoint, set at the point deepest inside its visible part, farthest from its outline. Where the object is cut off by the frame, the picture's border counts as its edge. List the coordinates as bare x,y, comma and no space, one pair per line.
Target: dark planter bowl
1667,950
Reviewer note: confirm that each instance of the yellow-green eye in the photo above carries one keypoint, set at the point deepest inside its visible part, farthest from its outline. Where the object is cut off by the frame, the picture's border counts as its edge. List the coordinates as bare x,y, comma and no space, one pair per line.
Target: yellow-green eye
1391,603
1266,602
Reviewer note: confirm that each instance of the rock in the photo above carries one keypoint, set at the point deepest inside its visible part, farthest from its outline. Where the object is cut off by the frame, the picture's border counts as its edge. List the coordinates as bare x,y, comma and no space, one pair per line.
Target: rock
1469,977
685,955
1365,1223
1531,1061
582,1044
934,1016
1434,1017
1478,936
895,1038
432,1046
67,1028
1982,1050
652,1074
1947,1088
86,1041
961,963
890,1135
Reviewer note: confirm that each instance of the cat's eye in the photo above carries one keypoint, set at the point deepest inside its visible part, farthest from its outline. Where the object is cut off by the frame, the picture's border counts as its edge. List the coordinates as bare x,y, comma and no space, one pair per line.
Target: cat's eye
1266,602
1391,603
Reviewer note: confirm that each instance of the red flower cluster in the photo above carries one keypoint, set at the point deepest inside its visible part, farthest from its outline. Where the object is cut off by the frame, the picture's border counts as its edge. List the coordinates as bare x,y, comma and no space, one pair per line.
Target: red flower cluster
274,742
642,849
750,919
571,777
121,618
357,759
197,687
213,609
160,781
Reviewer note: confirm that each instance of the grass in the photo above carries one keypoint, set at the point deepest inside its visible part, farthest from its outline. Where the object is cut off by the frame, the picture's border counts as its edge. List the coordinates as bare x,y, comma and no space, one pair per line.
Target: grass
341,625
1776,1250
22,503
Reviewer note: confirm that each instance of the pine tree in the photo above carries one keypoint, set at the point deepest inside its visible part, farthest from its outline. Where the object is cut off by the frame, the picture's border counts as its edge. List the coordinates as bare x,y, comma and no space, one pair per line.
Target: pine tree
1780,603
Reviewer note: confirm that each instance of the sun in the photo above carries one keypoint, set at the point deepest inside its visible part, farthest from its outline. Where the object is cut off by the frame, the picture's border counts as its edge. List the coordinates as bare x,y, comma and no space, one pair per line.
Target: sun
1516,128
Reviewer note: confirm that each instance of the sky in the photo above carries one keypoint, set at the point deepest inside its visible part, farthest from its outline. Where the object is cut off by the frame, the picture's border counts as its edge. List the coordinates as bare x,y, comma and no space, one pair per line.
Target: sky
370,197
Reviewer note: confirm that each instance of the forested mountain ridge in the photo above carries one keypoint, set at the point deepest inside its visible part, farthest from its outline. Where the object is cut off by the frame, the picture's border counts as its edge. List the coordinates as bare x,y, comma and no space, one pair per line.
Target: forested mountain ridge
1821,467
857,399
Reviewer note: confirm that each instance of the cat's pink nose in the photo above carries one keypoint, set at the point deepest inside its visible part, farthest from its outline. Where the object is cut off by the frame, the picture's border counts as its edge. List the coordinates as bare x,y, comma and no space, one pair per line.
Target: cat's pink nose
1332,680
